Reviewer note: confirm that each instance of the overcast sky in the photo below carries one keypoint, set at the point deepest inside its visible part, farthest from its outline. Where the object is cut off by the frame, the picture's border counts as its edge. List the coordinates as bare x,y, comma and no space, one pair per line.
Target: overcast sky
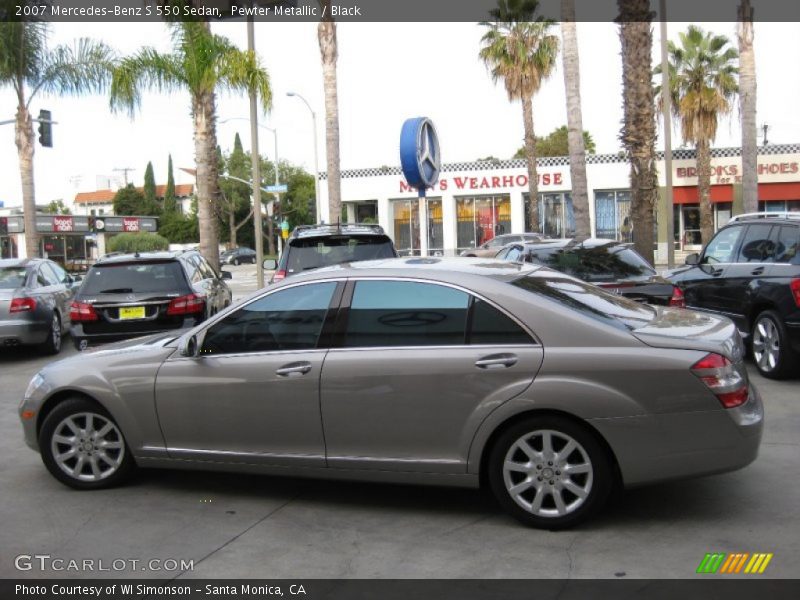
387,73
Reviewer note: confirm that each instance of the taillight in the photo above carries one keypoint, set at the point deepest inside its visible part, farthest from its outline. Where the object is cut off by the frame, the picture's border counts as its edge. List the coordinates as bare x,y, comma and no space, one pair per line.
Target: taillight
22,305
723,379
187,305
281,274
794,285
678,298
80,311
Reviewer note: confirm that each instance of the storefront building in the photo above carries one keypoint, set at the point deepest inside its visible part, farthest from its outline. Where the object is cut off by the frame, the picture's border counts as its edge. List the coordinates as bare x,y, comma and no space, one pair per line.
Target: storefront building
472,202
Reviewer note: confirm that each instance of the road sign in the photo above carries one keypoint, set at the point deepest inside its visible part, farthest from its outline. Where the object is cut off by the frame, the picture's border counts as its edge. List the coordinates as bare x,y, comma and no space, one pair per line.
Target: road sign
419,153
277,189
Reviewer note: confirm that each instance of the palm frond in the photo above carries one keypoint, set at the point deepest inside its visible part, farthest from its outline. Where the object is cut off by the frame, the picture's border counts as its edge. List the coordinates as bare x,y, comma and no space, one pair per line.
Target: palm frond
146,69
242,71
22,48
84,67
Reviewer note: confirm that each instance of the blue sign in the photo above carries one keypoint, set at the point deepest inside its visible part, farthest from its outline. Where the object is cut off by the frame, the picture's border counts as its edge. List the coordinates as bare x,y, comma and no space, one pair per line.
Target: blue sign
278,189
419,153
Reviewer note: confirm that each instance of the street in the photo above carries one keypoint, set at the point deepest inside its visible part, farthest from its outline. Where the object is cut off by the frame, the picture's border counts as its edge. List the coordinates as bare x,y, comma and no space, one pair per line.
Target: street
235,526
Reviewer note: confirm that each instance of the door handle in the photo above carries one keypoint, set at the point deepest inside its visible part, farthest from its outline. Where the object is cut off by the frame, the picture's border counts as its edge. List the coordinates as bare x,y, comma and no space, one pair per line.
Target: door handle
757,271
294,369
716,272
496,361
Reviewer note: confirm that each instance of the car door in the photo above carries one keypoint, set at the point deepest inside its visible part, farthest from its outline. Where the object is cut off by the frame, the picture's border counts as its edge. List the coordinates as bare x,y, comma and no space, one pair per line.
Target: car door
51,292
251,394
704,284
747,273
416,368
63,290
216,288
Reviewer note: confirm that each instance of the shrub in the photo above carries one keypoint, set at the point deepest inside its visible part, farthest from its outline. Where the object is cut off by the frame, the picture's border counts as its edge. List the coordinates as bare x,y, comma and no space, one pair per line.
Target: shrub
137,242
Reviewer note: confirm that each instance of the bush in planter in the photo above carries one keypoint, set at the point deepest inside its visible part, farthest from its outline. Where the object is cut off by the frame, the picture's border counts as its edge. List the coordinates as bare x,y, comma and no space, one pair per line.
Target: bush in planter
137,242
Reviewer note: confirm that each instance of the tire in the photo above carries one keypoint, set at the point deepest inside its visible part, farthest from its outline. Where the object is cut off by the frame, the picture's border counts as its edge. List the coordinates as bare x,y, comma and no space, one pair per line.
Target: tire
106,460
236,261
772,354
537,502
253,261
52,345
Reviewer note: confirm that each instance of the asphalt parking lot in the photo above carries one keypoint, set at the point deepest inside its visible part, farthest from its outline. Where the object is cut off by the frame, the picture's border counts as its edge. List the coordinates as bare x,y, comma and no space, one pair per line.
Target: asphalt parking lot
236,526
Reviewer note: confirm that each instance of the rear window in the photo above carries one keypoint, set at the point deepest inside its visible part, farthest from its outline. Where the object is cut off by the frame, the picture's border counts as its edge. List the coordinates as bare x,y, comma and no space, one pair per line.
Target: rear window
314,253
601,263
12,277
134,278
589,300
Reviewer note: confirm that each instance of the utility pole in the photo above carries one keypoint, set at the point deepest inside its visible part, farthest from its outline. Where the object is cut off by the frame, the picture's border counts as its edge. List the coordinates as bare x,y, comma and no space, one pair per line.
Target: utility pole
125,170
667,110
256,161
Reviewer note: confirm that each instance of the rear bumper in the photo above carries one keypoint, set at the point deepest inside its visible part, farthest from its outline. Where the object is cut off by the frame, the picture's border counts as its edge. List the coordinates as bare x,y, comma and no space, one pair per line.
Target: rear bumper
793,331
654,448
79,334
23,332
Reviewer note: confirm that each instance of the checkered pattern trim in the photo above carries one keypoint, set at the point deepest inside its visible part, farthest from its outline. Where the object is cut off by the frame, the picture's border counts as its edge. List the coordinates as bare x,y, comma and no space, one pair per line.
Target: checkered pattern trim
559,161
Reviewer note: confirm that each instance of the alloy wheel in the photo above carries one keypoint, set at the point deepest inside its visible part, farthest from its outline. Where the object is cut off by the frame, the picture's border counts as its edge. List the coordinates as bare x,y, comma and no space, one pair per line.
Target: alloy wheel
87,446
766,344
56,334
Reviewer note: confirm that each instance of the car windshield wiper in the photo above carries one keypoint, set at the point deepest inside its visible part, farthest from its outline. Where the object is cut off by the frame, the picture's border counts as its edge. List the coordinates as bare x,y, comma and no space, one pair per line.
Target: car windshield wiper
116,291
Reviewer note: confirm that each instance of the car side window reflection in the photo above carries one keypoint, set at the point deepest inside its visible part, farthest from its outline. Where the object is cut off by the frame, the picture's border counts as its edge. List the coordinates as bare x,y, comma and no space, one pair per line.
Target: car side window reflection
721,248
406,313
756,245
289,319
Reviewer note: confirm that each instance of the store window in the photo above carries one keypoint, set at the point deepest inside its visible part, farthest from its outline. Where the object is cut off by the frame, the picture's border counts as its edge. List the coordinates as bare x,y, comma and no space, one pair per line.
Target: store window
779,206
612,210
556,214
406,227
435,228
479,219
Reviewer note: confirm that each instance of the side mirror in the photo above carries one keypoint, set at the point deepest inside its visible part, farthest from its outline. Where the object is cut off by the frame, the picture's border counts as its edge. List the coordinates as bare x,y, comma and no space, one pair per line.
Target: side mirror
693,259
188,347
226,275
270,264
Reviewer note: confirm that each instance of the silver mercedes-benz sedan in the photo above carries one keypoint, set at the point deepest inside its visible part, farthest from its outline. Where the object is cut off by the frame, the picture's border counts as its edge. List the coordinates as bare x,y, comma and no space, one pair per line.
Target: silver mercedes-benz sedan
464,372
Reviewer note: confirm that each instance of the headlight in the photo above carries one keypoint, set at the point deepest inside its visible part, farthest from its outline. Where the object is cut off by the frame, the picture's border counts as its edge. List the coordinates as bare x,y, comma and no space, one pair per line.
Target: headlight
35,384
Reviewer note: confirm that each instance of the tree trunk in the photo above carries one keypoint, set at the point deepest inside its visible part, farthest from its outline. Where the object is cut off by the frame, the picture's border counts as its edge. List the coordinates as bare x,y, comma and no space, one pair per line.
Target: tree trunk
577,151
638,132
205,148
704,190
326,33
25,147
530,154
232,229
747,97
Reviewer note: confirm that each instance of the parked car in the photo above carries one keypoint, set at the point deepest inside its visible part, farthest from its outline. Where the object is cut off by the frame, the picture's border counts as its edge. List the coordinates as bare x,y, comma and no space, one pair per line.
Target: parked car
491,247
608,263
452,371
35,295
750,272
237,256
130,295
314,246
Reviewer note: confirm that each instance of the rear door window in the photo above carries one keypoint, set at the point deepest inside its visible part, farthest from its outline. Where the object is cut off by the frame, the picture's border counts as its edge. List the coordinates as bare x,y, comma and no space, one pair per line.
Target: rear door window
488,325
787,238
12,278
756,246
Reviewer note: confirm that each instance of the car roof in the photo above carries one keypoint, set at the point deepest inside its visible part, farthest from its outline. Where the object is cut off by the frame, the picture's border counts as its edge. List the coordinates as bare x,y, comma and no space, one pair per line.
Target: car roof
570,243
791,217
325,229
20,262
144,257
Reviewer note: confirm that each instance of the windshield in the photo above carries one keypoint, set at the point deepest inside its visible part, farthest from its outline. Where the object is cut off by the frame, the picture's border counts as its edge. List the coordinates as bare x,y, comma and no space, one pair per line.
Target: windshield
588,299
609,262
315,253
134,278
12,278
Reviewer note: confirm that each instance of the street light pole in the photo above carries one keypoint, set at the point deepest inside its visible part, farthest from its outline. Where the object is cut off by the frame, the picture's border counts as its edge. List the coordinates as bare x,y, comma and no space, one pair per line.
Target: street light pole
320,216
256,162
667,106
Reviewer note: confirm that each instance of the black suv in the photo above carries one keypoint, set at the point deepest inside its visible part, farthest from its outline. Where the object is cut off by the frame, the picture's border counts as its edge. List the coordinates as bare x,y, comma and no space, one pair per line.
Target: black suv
750,272
315,246
129,295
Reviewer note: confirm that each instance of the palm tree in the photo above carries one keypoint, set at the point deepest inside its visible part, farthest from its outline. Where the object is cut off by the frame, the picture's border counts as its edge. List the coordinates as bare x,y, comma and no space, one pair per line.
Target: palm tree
638,134
30,67
747,99
329,52
518,49
200,62
702,74
575,138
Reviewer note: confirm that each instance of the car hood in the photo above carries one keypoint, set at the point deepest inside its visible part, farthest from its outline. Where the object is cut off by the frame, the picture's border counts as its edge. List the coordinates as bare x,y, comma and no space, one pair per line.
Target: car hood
692,330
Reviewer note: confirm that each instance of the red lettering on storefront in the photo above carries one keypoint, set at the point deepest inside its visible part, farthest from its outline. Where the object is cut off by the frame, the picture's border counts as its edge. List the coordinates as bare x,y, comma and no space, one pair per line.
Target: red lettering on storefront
130,224
62,224
521,180
473,183
484,183
404,187
443,184
461,182
508,180
496,182
558,179
545,179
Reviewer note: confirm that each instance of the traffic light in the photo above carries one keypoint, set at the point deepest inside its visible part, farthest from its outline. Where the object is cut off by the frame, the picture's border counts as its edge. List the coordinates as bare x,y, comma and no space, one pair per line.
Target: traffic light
45,129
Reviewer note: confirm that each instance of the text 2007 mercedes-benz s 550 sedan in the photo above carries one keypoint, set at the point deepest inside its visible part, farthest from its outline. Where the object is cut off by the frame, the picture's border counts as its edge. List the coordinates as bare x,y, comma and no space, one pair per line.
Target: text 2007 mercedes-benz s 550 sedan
423,370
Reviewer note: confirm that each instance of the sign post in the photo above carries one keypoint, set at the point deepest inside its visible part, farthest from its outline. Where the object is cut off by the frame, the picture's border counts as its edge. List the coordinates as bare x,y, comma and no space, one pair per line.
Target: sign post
421,161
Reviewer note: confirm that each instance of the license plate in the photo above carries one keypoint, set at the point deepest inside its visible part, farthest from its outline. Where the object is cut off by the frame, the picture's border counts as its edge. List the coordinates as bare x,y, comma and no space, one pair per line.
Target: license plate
132,312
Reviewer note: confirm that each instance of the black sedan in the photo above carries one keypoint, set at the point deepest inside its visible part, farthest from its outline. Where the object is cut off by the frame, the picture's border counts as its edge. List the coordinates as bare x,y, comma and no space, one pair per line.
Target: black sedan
35,295
608,263
238,256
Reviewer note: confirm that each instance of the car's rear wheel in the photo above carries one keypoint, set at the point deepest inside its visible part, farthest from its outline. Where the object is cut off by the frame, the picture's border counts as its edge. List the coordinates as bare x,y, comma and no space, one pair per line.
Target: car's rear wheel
550,472
771,351
83,447
52,345
236,261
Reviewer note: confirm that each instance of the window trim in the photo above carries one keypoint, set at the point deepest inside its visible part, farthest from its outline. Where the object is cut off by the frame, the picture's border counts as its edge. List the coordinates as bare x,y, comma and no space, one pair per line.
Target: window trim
347,298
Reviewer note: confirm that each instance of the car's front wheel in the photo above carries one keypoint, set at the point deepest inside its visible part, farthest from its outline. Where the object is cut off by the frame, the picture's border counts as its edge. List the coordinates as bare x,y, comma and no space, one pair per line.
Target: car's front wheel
83,447
236,261
771,352
550,472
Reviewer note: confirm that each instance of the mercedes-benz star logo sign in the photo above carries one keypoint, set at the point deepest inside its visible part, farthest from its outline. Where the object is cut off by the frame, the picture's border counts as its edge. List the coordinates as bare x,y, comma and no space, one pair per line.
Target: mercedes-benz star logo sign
428,156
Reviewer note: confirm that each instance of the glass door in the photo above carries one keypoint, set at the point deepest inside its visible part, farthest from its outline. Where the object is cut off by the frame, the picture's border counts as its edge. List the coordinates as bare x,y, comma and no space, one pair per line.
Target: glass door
406,227
690,232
